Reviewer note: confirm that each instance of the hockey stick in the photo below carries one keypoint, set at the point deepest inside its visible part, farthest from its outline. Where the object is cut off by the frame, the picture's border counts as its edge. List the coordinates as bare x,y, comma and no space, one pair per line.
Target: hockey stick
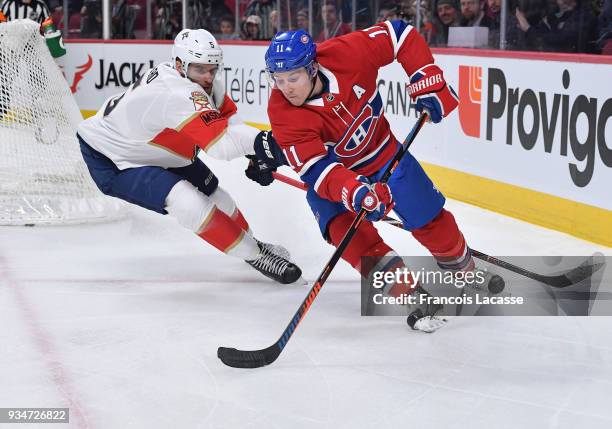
573,276
288,180
258,358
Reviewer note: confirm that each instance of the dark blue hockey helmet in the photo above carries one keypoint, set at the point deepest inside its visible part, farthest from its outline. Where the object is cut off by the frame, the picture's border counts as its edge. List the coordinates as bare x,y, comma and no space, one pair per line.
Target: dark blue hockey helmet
291,50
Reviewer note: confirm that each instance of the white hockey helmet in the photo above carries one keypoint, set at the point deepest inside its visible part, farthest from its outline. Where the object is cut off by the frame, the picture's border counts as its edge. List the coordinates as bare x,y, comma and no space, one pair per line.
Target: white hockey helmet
196,46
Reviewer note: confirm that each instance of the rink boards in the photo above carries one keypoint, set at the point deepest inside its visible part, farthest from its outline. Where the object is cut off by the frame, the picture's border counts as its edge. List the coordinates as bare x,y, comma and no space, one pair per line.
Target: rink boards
532,137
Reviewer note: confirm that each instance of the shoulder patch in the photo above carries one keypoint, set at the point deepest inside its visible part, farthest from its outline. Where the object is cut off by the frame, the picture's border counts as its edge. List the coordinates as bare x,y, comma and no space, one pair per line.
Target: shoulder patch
200,101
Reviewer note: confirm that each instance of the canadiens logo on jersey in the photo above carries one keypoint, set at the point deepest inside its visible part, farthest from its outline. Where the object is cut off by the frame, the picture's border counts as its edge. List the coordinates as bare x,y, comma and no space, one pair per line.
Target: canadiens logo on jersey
359,134
200,101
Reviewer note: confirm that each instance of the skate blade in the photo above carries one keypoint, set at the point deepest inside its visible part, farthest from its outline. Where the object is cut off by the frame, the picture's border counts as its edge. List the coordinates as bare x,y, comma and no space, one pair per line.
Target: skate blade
300,282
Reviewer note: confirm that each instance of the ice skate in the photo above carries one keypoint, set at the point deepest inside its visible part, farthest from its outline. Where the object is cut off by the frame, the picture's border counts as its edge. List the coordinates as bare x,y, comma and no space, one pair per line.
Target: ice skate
274,266
423,317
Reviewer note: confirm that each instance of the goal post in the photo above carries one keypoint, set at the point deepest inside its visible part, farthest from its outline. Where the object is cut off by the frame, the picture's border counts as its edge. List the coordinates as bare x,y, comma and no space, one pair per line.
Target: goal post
43,178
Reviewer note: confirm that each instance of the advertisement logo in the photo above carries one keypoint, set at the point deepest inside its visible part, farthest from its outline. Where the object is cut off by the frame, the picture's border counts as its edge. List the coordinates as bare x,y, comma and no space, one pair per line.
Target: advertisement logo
470,93
79,74
121,74
562,122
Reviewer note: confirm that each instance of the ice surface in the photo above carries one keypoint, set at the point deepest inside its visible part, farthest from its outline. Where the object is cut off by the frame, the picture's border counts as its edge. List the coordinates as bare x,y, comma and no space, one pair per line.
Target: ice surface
121,323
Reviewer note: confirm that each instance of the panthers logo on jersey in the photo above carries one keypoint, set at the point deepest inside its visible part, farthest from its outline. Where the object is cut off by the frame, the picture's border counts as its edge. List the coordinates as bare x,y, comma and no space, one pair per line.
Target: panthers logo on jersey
200,101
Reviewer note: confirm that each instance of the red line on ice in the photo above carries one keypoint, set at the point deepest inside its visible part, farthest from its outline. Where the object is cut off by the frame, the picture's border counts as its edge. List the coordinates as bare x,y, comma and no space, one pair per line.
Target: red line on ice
43,343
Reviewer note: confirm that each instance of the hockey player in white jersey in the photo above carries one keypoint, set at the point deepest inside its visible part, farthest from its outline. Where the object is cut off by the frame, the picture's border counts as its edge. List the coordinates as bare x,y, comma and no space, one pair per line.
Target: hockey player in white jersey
142,147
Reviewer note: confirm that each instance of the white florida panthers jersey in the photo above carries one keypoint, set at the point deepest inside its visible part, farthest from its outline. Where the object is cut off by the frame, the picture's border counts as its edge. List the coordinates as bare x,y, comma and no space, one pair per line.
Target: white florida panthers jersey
163,120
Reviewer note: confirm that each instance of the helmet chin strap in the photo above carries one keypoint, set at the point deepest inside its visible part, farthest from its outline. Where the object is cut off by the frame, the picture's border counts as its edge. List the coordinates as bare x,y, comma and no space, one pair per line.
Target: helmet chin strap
183,73
313,83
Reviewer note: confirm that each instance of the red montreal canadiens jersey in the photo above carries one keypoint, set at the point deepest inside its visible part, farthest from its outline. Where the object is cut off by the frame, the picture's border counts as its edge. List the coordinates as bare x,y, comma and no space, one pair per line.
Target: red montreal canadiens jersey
345,128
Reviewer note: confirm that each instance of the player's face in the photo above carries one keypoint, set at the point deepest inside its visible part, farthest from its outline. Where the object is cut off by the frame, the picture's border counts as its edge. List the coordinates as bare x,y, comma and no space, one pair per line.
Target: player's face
295,85
203,75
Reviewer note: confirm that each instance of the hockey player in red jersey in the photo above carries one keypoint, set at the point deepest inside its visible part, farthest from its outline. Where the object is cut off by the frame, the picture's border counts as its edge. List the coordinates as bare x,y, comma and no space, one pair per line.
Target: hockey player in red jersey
142,147
328,119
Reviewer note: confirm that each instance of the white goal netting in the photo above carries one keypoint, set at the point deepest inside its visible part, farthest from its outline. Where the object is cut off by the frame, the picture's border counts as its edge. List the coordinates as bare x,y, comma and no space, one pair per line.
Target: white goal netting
43,178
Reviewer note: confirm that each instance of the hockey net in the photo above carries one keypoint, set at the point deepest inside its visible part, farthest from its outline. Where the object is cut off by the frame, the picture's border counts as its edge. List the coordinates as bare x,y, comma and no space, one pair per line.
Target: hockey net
43,178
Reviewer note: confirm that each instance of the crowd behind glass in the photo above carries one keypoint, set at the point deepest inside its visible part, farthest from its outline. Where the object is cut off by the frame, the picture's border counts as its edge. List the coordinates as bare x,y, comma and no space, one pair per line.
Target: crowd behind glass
577,26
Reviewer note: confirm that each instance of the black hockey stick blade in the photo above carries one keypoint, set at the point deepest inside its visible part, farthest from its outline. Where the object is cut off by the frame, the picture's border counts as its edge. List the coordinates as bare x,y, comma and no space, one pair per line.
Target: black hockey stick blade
573,276
248,358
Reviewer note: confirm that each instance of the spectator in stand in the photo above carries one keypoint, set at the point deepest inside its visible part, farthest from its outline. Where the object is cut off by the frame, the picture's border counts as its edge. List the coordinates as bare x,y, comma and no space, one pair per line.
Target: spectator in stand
427,27
91,20
118,18
447,15
493,8
252,28
332,25
301,19
227,29
168,20
513,39
388,12
262,9
274,24
363,15
204,13
569,29
472,14
407,11
604,28
123,17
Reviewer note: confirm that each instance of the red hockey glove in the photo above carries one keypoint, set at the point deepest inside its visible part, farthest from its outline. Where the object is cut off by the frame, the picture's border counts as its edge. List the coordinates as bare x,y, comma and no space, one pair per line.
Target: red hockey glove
429,89
375,198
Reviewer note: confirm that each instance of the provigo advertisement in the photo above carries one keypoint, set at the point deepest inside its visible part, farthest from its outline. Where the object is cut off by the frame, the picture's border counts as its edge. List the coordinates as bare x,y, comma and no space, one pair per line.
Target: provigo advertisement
532,138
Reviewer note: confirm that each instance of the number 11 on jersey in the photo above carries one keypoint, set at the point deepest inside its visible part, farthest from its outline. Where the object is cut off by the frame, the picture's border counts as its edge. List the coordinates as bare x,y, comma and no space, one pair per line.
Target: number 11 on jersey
293,160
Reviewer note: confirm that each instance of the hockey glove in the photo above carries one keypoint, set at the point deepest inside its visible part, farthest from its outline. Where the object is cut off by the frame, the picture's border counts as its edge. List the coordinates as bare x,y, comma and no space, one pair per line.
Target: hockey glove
259,171
431,93
268,151
375,198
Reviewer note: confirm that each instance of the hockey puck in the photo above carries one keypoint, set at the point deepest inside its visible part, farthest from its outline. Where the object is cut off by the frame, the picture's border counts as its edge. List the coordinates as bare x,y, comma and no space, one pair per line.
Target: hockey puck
496,284
552,261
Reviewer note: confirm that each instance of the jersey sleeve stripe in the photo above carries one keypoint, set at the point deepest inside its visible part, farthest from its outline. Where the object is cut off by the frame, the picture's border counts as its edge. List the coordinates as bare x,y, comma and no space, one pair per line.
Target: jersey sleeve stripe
399,30
319,168
324,174
183,124
214,141
393,37
172,141
312,161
